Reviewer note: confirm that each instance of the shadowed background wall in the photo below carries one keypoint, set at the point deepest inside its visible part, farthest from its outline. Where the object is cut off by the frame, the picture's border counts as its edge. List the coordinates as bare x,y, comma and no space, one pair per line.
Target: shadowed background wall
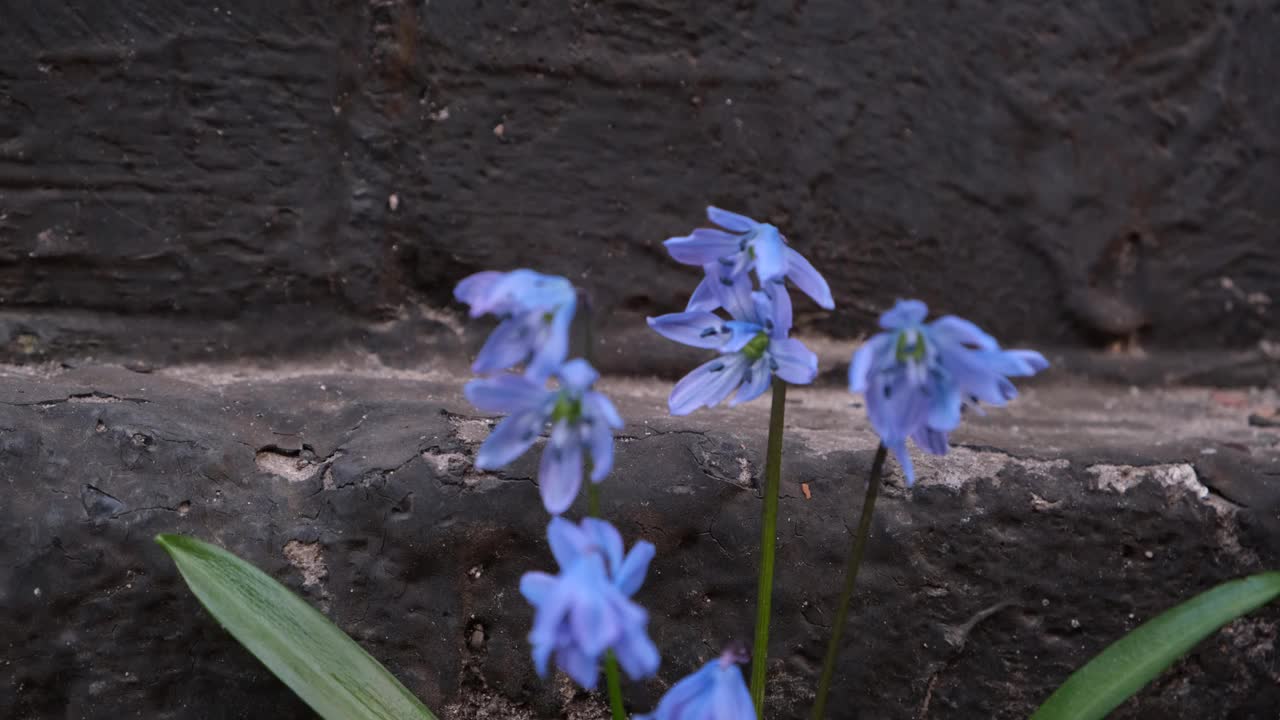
191,179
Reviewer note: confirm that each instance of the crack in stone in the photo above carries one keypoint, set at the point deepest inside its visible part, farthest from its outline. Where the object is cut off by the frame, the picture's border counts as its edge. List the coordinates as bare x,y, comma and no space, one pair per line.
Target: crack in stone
96,397
296,466
956,636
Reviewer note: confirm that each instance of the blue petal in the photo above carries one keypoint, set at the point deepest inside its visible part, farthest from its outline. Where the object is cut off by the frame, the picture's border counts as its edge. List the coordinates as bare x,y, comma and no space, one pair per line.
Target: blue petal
698,329
560,472
506,394
504,294
474,288
703,246
794,362
1032,361
899,450
771,257
705,297
594,628
509,344
1001,362
687,694
630,575
904,314
730,699
979,374
637,654
945,402
510,439
762,305
736,298
755,383
568,541
552,342
730,220
607,539
546,621
528,290
896,404
577,375
599,406
536,587
862,361
600,438
931,440
740,333
734,266
583,668
708,384
779,309
959,331
809,280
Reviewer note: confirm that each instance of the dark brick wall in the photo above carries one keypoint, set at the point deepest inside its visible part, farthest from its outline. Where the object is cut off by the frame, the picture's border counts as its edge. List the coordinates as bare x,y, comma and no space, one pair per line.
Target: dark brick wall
1062,173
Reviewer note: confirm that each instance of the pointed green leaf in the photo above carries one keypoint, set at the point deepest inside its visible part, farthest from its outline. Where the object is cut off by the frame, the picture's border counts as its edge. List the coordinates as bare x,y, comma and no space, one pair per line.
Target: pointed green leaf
1135,659
319,662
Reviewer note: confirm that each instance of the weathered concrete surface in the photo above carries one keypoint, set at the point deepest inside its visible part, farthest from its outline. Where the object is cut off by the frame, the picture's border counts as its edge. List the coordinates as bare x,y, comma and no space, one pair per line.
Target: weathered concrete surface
275,177
1052,529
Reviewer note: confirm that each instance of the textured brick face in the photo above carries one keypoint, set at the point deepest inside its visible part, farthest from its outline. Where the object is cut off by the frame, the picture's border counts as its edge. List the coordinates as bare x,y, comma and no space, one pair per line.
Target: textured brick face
1061,175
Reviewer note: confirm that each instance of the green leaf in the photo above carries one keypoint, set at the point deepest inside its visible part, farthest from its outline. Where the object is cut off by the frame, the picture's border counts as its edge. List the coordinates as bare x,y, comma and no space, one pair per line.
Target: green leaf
319,662
1137,658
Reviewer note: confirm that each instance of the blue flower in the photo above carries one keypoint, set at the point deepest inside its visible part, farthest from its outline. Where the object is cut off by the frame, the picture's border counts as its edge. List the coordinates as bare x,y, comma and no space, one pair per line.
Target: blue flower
715,692
748,244
586,609
918,377
754,346
537,311
582,421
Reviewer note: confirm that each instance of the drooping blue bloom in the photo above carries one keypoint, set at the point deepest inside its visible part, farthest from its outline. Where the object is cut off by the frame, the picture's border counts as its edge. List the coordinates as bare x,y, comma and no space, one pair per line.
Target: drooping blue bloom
747,244
582,422
715,692
754,346
587,608
918,377
536,312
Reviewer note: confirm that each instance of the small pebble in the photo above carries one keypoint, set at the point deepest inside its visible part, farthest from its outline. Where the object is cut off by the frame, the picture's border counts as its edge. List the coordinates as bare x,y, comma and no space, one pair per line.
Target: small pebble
476,640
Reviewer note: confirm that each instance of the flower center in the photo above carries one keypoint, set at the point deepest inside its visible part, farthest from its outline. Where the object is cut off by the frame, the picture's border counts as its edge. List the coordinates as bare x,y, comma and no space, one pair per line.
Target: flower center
910,346
754,350
567,408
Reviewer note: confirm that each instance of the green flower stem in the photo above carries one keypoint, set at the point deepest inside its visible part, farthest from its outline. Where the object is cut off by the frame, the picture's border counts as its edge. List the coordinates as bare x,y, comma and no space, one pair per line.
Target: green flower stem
768,545
850,576
593,498
613,678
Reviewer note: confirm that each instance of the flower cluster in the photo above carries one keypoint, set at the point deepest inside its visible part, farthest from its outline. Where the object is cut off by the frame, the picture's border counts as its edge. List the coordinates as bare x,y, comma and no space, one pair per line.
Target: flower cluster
587,608
582,422
917,378
754,343
537,312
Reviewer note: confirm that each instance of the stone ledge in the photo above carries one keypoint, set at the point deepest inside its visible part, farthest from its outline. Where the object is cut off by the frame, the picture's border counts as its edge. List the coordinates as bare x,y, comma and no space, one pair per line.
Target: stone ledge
1055,526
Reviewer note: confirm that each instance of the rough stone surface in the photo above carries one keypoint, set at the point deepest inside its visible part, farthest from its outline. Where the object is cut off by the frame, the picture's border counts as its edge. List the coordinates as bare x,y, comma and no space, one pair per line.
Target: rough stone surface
273,178
1054,527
